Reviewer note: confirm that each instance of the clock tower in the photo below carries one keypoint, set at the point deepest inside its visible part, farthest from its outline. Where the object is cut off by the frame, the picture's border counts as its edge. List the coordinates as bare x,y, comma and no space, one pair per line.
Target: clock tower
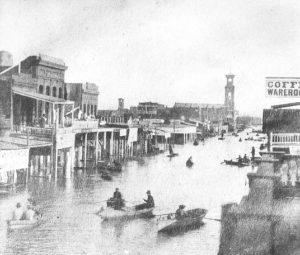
229,97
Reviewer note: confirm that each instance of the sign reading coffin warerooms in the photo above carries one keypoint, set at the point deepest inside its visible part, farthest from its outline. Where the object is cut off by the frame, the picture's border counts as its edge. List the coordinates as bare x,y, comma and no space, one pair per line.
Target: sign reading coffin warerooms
283,86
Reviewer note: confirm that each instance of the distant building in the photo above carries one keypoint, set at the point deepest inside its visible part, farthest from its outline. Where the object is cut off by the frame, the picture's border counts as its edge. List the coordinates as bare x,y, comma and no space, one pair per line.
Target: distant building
210,112
85,96
119,116
6,60
149,109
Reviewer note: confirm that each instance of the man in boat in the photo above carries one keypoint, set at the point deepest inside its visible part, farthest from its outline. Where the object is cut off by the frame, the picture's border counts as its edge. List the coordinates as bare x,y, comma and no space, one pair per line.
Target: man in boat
118,201
189,162
245,159
29,213
149,202
180,213
18,212
240,160
34,206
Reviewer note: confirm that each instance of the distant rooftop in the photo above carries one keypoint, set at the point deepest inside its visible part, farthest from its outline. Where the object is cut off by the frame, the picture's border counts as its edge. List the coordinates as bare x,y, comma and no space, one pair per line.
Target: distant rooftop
195,105
50,59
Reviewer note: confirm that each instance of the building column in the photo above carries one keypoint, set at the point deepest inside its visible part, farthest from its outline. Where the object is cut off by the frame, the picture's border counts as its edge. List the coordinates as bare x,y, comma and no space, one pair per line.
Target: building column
97,143
112,144
63,116
85,149
104,140
67,163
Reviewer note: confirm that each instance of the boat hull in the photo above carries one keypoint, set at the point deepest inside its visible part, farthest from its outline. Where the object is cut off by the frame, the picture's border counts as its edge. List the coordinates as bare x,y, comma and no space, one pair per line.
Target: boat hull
235,163
23,224
172,155
127,213
193,221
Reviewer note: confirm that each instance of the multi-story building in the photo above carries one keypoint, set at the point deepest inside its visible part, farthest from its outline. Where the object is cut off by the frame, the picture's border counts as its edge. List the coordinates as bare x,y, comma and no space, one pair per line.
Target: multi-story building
149,109
33,88
85,96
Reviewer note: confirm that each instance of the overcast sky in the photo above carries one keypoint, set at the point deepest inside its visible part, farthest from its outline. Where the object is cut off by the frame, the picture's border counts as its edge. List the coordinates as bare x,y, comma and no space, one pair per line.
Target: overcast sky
161,50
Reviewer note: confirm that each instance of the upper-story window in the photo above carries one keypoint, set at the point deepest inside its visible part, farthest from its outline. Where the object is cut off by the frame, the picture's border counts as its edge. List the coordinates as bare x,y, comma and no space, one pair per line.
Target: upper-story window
54,91
41,89
48,90
60,93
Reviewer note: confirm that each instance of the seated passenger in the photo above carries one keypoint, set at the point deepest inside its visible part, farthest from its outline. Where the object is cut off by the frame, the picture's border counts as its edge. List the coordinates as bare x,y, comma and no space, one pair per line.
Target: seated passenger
29,213
118,201
149,202
180,213
18,212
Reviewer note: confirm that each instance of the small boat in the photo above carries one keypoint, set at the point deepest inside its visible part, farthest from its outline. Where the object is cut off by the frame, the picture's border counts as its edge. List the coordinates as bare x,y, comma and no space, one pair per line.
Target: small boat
21,224
114,167
172,155
192,220
126,213
196,142
221,138
235,163
106,176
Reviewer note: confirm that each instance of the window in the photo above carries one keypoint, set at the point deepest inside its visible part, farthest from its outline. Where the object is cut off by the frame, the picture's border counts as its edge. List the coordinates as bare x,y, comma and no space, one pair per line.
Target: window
60,95
54,91
41,89
48,91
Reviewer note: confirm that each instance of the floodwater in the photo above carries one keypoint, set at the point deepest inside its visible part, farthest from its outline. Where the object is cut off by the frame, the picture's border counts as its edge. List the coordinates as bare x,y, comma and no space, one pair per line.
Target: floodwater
70,225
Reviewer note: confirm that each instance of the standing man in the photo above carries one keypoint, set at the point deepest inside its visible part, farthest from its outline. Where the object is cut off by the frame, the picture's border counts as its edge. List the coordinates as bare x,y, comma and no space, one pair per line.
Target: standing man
43,120
253,152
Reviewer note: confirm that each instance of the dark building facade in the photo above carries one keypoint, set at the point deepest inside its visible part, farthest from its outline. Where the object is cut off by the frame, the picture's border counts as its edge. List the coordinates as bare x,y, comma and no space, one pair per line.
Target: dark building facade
85,96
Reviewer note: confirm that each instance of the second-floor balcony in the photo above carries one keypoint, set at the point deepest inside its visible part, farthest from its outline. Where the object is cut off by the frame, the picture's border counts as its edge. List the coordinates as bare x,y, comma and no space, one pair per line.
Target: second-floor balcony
285,139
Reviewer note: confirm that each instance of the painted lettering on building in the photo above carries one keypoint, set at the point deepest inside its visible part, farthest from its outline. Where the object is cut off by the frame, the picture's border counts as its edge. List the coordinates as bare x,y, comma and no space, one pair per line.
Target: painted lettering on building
282,87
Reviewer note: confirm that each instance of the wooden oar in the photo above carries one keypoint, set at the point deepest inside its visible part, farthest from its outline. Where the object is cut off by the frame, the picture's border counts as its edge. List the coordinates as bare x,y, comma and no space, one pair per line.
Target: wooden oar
212,219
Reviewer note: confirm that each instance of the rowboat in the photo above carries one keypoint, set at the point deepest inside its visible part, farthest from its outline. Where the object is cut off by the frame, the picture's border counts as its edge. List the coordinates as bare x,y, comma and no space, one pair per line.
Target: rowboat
172,155
192,220
235,163
106,176
22,224
115,167
126,213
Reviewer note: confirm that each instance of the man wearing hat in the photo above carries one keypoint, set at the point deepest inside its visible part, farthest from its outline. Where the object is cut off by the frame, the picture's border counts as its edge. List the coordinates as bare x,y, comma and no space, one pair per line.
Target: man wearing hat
180,213
18,212
117,199
149,202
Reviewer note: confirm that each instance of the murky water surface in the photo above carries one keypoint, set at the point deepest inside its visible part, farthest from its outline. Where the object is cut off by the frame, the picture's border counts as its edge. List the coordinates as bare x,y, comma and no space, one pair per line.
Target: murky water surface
70,225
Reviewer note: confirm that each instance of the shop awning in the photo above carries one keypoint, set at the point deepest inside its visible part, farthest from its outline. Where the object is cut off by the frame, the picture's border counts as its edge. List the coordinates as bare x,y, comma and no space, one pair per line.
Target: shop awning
41,97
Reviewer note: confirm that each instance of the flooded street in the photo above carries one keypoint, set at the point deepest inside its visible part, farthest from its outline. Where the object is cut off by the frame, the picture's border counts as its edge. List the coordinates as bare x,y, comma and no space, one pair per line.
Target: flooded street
70,225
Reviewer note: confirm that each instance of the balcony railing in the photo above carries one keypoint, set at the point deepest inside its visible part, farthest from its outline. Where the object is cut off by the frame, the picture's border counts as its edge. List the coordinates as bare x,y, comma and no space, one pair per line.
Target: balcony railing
33,131
83,124
285,139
